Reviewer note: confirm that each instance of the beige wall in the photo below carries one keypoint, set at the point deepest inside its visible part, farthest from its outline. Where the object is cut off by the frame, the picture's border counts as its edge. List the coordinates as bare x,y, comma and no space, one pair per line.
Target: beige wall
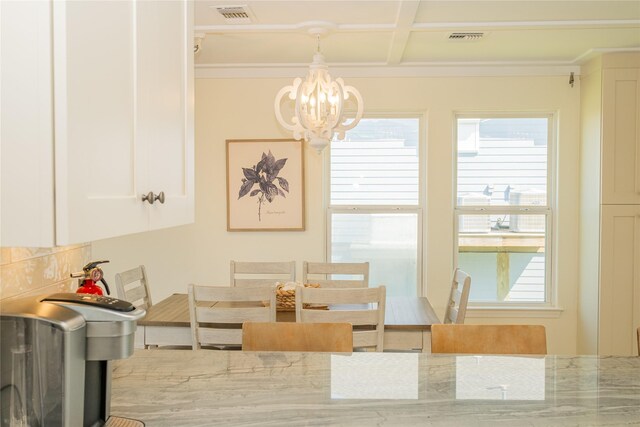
33,271
243,108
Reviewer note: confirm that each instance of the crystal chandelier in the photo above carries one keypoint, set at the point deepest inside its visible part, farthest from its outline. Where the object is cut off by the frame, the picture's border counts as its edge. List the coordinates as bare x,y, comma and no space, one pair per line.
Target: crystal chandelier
319,110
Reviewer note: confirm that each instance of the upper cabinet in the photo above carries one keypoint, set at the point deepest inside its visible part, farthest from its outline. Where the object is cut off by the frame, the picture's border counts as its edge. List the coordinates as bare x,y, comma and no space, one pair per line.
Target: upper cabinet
621,135
101,114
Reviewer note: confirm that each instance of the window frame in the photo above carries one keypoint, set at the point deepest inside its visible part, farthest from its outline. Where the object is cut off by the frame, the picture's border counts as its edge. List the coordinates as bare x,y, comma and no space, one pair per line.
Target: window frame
549,211
417,209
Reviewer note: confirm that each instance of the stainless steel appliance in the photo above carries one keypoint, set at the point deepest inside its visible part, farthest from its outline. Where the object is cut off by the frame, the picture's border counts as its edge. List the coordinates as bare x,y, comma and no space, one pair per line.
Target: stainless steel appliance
55,358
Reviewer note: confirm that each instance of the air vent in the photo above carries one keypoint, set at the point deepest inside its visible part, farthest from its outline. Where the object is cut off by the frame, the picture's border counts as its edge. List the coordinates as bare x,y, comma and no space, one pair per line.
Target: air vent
466,36
235,14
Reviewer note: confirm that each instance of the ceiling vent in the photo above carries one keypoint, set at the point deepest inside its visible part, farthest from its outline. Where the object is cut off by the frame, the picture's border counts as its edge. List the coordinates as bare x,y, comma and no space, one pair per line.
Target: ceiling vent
235,14
470,37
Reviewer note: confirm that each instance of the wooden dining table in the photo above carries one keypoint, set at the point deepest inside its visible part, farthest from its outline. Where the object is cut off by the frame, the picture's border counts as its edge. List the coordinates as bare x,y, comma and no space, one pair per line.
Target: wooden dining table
407,321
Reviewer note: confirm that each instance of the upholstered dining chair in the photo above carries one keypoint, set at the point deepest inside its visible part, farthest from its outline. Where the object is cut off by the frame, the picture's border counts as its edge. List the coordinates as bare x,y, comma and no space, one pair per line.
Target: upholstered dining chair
352,274
362,307
217,313
458,298
290,336
133,286
488,339
252,274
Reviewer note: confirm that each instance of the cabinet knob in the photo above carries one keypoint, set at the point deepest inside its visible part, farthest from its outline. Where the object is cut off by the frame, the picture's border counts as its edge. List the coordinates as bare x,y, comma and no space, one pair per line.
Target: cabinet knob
160,197
150,197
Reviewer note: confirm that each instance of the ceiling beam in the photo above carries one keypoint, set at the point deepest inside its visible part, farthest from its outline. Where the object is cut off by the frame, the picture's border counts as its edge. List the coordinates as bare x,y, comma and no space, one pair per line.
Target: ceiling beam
407,10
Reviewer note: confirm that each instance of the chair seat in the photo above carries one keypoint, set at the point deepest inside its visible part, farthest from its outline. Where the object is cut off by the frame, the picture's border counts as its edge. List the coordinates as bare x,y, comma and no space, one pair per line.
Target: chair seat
488,339
286,336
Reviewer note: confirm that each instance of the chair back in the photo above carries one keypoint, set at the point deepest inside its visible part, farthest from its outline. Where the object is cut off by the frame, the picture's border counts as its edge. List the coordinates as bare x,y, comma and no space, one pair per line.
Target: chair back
362,307
289,336
352,274
217,313
133,286
252,274
488,339
458,298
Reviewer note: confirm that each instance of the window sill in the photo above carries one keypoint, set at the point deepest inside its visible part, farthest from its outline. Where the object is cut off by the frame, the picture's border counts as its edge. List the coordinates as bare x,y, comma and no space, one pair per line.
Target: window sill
519,312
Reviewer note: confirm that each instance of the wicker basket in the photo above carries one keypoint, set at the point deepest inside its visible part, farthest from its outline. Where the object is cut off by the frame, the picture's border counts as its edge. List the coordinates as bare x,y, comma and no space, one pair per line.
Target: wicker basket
286,298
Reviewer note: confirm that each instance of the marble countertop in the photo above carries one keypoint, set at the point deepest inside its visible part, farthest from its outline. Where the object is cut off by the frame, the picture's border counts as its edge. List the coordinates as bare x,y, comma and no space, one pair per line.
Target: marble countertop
208,387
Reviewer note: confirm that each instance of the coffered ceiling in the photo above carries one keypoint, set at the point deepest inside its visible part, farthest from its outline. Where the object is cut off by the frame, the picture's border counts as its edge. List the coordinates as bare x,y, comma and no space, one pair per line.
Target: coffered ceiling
413,33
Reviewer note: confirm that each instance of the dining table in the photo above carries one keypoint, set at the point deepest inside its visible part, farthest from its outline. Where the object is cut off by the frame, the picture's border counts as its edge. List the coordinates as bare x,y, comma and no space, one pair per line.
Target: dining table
166,388
407,323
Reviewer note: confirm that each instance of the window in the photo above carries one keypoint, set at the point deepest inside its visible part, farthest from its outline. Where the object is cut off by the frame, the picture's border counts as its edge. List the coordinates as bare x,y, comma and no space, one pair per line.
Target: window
374,209
503,210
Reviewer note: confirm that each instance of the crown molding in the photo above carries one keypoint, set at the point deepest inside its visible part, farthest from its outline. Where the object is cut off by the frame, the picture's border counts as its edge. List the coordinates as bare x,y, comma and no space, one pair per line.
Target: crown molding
408,69
230,71
592,53
421,26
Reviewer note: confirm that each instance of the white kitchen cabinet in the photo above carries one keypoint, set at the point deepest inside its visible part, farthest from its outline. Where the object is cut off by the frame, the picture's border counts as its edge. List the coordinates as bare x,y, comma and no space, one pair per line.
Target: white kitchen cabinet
100,112
620,280
609,285
621,136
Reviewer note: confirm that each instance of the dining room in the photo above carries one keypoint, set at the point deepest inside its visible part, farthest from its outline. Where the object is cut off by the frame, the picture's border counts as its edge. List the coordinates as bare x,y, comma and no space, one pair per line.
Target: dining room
495,139
200,253
555,263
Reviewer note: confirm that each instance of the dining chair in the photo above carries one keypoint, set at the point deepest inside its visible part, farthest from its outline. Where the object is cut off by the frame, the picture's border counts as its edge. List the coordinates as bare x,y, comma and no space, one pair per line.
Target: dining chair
252,274
488,339
289,336
217,313
352,274
352,305
133,286
458,298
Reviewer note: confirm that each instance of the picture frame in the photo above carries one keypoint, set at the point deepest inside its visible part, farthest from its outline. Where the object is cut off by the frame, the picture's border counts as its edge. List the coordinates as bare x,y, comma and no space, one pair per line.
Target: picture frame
265,185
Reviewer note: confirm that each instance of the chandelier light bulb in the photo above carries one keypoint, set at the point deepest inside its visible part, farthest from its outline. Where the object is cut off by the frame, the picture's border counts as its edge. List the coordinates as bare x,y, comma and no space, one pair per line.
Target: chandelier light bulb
319,111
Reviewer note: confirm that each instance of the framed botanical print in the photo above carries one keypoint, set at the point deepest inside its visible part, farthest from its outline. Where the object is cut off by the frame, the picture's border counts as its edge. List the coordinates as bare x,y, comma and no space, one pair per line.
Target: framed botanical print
265,185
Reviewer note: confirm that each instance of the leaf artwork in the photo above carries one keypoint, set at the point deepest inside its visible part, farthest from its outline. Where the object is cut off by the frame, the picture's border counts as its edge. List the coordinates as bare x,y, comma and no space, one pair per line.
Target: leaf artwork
263,175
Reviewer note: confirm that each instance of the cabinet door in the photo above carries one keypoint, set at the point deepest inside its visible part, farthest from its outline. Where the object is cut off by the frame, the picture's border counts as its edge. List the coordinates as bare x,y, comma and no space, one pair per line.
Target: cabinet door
619,280
98,159
27,125
165,107
621,136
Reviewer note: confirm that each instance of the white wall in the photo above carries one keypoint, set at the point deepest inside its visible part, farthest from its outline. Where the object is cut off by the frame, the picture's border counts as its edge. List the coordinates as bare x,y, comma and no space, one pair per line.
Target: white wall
243,108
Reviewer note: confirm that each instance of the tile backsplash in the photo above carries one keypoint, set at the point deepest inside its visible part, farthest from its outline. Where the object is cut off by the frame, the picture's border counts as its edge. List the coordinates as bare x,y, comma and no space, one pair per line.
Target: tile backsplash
33,271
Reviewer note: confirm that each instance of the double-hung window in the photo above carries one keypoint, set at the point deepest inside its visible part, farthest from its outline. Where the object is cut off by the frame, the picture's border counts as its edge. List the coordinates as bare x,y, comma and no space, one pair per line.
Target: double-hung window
374,210
503,210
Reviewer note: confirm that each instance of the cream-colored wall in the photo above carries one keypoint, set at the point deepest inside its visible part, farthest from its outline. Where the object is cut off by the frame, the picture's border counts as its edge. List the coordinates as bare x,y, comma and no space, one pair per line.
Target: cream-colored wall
32,271
243,108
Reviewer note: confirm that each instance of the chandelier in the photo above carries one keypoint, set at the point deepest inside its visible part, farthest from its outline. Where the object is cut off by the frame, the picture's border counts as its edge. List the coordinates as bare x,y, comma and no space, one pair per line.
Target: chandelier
319,111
